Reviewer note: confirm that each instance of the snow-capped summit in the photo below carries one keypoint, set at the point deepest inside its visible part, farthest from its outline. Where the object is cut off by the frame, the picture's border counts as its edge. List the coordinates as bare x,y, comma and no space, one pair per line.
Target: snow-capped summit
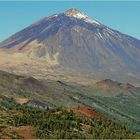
79,15
72,11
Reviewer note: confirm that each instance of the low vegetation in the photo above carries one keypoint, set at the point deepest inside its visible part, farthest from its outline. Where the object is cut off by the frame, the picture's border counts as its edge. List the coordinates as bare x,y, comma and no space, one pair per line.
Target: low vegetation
56,123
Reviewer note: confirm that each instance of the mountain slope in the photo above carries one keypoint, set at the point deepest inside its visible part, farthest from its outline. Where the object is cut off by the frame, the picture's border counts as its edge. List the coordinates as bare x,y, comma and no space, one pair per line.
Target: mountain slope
74,42
21,122
118,101
35,92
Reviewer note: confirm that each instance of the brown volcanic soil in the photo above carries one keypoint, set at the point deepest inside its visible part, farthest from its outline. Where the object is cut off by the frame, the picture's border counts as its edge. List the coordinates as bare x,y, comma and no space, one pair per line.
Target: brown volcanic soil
85,111
26,132
21,100
110,84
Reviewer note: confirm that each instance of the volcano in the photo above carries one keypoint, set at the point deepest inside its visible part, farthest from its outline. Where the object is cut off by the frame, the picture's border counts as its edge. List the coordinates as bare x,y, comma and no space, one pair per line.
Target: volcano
72,43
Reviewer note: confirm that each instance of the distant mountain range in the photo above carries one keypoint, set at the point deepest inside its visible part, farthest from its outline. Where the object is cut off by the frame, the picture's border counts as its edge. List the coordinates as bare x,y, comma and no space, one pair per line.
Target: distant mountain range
72,43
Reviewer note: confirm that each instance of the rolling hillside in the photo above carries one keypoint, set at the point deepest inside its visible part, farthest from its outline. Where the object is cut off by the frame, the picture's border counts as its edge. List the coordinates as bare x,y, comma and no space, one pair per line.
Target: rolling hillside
117,101
21,122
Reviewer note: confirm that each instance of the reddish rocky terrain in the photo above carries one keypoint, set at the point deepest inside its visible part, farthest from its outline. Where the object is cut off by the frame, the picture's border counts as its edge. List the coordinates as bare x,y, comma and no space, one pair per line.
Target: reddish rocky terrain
85,111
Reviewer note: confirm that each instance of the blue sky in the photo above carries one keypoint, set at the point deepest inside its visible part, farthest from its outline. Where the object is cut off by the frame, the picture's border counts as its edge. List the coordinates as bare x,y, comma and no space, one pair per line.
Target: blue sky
122,16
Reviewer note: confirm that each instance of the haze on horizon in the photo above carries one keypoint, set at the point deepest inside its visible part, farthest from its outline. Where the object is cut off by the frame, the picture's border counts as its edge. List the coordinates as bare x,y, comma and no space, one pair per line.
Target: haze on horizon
121,16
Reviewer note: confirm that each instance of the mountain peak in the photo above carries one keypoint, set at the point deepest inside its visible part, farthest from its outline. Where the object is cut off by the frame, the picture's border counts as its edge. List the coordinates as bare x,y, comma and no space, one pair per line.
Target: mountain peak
73,12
